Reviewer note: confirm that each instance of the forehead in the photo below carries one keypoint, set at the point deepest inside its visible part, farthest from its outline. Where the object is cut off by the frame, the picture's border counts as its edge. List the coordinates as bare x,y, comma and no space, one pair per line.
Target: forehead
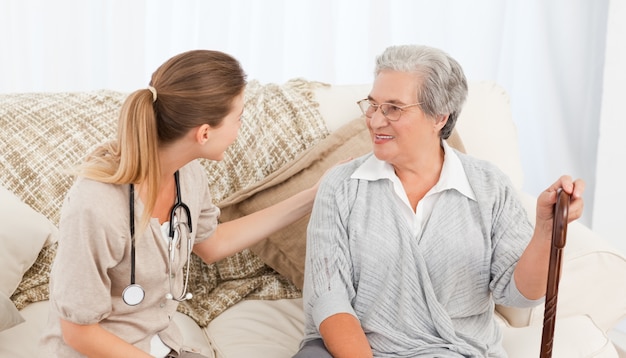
395,87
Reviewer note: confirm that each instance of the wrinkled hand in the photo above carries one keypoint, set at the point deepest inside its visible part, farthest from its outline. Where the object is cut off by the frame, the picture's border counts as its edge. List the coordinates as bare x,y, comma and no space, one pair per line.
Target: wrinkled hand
547,199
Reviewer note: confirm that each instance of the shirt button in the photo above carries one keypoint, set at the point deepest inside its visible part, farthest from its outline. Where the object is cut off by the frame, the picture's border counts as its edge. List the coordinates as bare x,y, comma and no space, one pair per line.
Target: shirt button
162,305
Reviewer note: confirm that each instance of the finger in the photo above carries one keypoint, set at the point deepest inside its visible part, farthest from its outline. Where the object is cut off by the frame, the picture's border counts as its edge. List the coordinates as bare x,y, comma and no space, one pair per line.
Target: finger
566,183
579,188
346,160
548,197
575,210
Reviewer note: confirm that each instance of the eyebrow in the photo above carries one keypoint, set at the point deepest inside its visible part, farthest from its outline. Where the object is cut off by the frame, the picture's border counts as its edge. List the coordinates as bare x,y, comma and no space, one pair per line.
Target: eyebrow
392,101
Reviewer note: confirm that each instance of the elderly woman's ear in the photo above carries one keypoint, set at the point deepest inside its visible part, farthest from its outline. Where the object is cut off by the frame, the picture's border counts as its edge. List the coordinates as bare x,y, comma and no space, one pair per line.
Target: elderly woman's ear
441,120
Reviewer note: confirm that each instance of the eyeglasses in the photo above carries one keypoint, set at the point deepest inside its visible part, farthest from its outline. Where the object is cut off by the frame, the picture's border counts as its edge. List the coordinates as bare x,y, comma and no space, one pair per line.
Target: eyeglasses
391,111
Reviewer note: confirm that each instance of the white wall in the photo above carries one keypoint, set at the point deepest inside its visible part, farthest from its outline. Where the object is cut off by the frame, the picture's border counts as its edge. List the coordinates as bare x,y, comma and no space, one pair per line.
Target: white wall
609,216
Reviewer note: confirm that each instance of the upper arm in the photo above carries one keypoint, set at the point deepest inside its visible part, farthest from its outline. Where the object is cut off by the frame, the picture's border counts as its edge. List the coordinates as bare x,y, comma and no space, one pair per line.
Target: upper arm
88,248
328,286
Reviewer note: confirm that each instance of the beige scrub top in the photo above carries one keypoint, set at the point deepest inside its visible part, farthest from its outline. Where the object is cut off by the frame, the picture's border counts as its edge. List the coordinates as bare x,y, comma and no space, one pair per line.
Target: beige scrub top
92,265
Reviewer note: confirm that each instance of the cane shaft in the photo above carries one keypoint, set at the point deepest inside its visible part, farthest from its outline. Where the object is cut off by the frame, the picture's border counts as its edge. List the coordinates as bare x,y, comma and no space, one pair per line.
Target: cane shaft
559,235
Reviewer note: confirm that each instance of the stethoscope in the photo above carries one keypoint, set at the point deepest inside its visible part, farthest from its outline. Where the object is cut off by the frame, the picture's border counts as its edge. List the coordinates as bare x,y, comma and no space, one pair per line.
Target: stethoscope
134,294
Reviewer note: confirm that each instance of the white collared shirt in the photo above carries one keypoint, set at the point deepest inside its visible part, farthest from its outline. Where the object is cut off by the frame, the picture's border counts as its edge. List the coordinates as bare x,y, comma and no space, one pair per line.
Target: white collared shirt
452,176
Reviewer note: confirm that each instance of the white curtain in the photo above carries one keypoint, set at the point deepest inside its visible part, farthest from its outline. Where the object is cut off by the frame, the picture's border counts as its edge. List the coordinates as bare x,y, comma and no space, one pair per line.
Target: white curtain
548,55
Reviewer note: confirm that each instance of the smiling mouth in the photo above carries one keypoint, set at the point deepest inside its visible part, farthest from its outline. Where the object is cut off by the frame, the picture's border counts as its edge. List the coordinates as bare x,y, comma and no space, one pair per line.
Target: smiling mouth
383,137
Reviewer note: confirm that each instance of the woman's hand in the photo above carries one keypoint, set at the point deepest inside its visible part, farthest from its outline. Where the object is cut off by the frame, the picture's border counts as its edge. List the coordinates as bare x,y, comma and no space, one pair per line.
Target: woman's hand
531,273
547,199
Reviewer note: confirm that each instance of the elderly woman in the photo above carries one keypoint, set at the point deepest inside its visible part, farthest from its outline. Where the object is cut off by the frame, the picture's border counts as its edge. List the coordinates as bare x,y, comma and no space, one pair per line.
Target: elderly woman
410,246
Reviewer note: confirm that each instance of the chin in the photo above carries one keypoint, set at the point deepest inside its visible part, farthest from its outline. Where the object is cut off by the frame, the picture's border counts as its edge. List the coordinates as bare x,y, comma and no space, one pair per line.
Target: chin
381,155
215,158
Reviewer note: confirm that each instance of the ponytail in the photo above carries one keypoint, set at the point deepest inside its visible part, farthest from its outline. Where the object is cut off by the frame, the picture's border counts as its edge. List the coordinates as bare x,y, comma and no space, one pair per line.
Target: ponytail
133,157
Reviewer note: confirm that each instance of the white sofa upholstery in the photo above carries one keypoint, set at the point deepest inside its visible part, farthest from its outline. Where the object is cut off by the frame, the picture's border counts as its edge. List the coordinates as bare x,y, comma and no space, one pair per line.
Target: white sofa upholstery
592,295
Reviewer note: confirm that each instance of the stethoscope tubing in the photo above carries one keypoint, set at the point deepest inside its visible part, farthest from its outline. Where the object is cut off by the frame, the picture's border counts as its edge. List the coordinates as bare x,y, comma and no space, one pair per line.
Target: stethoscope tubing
134,294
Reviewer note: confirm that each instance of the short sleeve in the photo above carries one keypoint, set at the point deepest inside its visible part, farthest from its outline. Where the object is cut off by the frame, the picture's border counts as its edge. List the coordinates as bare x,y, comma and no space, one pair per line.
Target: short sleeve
196,192
88,247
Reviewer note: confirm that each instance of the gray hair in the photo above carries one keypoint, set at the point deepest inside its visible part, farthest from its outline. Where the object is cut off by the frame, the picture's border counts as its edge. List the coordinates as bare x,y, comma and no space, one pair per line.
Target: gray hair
443,89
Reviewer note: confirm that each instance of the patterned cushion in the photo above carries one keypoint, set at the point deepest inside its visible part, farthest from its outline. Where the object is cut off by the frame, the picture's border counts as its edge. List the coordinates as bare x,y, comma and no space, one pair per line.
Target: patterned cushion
44,134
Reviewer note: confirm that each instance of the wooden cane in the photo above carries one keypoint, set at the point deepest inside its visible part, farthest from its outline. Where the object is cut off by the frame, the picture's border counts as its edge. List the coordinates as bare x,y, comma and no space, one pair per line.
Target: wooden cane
559,234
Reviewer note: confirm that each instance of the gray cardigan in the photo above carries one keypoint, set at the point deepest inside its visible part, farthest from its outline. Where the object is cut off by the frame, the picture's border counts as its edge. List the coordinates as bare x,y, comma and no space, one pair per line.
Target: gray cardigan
431,295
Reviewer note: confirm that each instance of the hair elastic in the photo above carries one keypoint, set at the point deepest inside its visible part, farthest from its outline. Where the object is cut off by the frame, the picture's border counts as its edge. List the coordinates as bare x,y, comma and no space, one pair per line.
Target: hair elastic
154,93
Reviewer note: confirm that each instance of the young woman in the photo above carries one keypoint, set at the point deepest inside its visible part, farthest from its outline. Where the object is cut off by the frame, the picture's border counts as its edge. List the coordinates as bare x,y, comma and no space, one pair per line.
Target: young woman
140,204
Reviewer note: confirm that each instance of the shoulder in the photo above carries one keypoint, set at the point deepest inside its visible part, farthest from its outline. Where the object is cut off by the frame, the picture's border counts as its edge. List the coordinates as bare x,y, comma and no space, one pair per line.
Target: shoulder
93,201
344,171
193,173
97,194
481,170
338,184
493,188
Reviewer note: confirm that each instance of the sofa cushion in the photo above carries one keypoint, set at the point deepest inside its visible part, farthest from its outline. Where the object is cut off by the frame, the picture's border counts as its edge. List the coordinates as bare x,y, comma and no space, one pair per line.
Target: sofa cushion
258,328
22,340
9,315
576,336
488,130
194,339
24,233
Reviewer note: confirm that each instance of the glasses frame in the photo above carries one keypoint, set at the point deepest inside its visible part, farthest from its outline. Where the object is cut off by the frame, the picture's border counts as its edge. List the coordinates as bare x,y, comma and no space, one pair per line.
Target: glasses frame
377,106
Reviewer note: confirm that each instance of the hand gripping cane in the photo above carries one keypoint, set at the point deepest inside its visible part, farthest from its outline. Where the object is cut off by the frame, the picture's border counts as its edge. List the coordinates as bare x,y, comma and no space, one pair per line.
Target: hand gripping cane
559,234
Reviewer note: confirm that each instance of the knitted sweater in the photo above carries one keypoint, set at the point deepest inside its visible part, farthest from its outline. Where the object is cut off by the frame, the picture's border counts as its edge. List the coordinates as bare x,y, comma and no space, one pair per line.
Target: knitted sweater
431,295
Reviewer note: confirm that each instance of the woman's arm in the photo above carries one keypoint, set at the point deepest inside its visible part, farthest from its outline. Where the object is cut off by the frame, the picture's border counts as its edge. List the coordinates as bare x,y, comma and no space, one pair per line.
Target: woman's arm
344,337
94,341
531,273
233,236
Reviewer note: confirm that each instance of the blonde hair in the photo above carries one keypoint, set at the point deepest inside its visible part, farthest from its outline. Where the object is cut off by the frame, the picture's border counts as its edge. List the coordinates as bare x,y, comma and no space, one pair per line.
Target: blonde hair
190,89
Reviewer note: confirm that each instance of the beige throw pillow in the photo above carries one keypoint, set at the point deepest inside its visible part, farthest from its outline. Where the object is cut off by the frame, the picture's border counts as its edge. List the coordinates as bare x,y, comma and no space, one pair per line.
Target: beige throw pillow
285,250
24,233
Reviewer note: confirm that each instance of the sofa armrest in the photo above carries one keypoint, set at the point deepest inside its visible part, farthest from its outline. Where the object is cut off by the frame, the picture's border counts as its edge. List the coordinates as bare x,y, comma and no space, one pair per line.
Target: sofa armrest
593,280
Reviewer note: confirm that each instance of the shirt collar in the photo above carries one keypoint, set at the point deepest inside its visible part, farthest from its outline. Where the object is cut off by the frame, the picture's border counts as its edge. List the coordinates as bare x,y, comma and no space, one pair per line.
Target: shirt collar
452,176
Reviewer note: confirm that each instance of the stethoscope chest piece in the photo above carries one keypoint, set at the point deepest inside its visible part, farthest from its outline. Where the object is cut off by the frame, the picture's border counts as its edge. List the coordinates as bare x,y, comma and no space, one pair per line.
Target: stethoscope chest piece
133,294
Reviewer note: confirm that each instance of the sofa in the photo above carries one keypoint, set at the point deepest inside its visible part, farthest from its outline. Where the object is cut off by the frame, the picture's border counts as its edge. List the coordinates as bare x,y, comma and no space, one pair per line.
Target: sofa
250,305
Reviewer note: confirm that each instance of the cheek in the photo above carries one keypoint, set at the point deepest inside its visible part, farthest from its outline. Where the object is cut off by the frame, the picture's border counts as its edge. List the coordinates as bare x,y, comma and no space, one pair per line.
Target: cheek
230,136
235,131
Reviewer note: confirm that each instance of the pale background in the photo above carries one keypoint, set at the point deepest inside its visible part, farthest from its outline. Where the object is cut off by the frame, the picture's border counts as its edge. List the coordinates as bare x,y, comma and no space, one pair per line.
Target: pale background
561,61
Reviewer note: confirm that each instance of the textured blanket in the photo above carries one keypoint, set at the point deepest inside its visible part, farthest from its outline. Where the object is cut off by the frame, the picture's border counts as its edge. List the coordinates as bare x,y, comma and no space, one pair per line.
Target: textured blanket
279,122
